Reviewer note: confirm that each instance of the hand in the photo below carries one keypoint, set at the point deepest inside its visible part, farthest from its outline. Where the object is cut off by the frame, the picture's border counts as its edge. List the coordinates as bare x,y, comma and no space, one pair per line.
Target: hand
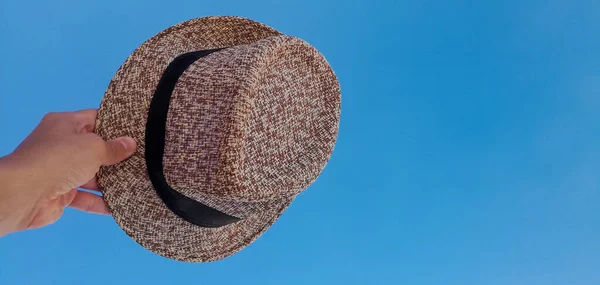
40,178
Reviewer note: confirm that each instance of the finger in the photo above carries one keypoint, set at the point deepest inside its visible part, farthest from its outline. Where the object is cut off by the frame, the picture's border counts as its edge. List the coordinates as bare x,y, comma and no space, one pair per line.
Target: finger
90,203
91,185
66,199
56,121
118,150
46,216
85,120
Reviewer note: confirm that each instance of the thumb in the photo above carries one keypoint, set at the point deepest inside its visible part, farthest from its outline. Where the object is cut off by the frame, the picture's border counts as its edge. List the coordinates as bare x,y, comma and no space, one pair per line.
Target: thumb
118,150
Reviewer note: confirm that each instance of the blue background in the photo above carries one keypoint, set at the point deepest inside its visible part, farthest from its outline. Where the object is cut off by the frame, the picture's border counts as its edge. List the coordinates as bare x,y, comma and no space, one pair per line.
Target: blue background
468,148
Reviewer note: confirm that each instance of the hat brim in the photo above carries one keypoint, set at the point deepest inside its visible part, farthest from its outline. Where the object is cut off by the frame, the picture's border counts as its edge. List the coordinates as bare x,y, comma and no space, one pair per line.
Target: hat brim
127,190
138,210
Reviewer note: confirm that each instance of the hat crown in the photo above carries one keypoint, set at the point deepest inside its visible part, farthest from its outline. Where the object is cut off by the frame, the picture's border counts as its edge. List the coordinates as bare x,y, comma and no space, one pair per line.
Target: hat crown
251,123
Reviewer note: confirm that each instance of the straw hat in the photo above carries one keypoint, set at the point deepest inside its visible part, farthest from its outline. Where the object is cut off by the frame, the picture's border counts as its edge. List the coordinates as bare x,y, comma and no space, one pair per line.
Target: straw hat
233,119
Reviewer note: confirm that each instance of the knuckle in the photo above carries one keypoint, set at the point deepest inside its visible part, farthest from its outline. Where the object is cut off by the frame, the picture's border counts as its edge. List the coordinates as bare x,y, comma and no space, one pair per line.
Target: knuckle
80,117
58,118
51,116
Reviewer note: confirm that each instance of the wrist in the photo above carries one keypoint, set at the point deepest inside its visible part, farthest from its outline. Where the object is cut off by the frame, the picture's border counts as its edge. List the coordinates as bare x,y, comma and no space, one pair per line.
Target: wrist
13,200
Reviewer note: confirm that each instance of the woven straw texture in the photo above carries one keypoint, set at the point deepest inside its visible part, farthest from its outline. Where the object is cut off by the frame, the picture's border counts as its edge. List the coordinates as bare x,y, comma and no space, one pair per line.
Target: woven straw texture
249,127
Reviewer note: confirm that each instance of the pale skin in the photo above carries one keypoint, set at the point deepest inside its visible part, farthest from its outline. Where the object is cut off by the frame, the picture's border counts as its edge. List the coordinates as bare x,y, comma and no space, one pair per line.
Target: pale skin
41,177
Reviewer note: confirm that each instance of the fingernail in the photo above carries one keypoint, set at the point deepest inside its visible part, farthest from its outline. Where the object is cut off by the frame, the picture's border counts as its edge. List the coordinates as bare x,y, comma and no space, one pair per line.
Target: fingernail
128,143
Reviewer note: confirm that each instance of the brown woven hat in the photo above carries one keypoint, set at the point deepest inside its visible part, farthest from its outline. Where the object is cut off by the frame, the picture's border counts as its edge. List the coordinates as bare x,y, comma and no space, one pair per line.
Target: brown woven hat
232,119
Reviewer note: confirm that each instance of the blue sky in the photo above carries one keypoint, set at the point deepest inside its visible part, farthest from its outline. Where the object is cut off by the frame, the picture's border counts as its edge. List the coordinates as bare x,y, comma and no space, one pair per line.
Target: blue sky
468,148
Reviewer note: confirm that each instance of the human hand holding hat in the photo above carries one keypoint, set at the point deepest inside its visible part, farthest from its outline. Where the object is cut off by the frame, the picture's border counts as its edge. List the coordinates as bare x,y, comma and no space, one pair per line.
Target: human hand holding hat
232,120
40,178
